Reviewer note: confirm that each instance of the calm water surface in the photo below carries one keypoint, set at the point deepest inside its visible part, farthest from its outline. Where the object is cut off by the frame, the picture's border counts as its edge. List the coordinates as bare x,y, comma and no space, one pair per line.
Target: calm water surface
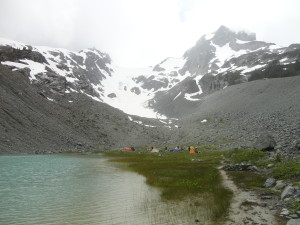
63,189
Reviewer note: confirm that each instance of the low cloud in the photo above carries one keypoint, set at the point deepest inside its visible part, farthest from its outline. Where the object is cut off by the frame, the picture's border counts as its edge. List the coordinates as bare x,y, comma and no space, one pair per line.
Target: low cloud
143,32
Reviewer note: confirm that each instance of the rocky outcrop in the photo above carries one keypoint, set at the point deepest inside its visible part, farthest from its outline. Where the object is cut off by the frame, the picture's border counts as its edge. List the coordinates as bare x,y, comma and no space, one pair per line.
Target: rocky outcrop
265,142
8,53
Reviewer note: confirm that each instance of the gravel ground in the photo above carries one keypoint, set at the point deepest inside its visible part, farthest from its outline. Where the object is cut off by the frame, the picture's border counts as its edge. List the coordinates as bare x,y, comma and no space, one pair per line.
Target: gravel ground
236,116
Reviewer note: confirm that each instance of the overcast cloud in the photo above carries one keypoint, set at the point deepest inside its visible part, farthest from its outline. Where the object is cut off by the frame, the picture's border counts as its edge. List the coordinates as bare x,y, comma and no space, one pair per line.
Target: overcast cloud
138,33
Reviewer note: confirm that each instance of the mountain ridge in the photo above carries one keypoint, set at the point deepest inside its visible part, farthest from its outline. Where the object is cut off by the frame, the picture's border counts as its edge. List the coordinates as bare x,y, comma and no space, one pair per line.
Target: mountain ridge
83,92
219,59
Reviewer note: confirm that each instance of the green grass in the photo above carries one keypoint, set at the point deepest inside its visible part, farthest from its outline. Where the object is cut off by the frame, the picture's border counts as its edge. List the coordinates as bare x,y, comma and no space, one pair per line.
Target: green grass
180,178
283,169
246,179
286,170
295,206
245,155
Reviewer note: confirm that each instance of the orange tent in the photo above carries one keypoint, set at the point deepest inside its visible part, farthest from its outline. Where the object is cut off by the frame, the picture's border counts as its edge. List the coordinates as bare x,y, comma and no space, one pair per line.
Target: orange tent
127,149
192,150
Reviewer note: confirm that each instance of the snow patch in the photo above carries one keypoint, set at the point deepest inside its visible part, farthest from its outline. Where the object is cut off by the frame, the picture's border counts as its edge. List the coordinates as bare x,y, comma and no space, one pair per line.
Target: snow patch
252,68
13,44
223,53
139,122
35,68
274,47
241,42
177,96
128,101
209,36
50,99
189,97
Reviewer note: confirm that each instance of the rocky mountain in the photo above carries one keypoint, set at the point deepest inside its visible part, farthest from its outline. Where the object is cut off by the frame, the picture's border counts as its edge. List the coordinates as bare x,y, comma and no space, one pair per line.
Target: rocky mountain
59,72
225,58
218,60
31,122
54,99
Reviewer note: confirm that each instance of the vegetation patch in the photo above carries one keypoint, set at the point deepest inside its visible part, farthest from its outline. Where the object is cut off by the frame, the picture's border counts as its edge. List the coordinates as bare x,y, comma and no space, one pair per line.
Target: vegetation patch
245,155
287,170
182,176
247,179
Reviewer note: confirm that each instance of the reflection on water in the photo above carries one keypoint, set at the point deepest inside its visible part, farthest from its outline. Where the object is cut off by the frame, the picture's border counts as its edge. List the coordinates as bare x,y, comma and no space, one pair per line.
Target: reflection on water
59,189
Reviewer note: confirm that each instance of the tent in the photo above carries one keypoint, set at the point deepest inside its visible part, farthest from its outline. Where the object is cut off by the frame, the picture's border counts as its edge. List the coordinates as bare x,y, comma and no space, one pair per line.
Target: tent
192,150
155,150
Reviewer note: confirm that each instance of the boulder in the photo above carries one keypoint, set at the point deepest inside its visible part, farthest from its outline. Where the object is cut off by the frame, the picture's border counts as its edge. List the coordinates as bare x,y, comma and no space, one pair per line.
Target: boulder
112,95
265,142
288,192
293,222
280,185
284,212
296,145
270,182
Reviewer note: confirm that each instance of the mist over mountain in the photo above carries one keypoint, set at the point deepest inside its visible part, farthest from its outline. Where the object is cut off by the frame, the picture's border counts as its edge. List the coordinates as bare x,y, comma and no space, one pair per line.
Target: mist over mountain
72,100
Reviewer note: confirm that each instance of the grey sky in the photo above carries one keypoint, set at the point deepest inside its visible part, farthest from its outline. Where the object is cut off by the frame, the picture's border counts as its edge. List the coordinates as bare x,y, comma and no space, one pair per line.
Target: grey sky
143,32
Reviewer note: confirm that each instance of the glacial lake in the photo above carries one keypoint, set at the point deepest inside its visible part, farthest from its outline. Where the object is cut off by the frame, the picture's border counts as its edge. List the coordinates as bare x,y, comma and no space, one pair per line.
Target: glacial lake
81,189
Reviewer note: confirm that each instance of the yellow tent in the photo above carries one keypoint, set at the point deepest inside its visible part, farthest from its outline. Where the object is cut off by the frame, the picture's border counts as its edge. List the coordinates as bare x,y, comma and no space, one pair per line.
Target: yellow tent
192,150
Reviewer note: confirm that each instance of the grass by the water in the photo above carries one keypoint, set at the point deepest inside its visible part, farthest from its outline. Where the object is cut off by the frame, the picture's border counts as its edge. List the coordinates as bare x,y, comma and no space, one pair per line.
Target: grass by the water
182,176
193,182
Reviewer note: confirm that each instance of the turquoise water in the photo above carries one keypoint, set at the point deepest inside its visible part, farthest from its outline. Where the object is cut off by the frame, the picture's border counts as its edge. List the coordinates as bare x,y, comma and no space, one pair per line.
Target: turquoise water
63,189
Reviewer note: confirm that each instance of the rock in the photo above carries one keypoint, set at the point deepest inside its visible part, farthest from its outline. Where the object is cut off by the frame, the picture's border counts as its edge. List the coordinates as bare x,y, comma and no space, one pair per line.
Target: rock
288,192
112,95
253,168
270,166
280,185
263,204
266,197
284,212
270,182
265,142
296,145
293,222
251,202
240,167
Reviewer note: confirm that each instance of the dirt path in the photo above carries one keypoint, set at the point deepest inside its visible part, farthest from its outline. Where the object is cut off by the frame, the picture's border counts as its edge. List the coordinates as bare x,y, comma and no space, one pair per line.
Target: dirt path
246,214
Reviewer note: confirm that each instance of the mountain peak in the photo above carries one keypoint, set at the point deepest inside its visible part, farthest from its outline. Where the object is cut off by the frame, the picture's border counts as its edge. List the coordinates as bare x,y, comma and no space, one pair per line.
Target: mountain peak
223,29
225,35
